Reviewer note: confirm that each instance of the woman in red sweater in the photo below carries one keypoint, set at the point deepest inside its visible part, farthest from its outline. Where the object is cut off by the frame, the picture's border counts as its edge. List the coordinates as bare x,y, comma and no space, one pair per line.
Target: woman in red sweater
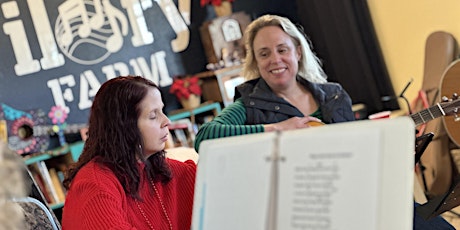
123,180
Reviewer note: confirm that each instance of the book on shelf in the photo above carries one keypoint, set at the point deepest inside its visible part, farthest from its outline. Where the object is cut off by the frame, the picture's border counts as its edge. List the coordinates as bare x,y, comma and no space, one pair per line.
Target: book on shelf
41,185
57,184
3,131
317,178
44,173
180,138
182,133
48,181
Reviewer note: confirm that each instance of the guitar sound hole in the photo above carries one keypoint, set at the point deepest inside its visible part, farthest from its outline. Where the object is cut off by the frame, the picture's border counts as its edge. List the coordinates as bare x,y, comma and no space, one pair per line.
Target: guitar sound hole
25,132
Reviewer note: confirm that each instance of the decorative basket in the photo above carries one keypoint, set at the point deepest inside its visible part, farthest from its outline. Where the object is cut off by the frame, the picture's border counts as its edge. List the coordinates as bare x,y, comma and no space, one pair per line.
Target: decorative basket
192,102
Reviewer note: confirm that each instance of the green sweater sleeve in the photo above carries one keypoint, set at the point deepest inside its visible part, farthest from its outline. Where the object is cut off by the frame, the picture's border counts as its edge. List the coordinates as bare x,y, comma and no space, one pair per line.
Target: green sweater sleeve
231,122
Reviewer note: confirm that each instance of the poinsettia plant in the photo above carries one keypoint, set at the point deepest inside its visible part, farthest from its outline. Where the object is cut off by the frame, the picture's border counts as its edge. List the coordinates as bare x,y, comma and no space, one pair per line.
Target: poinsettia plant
184,86
213,2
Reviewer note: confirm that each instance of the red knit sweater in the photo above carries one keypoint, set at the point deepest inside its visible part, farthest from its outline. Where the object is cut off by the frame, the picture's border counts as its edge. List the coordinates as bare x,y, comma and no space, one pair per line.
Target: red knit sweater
96,200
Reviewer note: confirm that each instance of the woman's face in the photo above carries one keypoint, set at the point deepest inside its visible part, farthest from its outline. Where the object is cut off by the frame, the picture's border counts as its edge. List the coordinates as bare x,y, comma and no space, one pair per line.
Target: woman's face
276,55
153,123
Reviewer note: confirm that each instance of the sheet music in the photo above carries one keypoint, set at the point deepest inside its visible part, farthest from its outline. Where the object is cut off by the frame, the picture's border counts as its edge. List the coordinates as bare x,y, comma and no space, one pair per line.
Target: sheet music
355,175
233,183
320,177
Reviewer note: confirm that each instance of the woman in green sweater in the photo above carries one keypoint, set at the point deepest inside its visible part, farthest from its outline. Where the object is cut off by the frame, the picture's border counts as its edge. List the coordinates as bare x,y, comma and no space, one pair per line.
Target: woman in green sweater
285,86
285,89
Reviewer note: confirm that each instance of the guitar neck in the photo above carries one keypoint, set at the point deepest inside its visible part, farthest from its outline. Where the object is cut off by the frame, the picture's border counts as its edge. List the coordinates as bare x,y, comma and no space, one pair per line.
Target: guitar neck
427,114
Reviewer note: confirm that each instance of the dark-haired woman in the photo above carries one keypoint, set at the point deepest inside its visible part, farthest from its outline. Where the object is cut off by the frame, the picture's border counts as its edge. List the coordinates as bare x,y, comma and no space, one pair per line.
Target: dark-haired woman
123,180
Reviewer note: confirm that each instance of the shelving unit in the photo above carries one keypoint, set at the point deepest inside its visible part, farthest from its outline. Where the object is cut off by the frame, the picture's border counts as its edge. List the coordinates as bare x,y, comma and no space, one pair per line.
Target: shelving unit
57,206
187,117
73,149
186,113
219,85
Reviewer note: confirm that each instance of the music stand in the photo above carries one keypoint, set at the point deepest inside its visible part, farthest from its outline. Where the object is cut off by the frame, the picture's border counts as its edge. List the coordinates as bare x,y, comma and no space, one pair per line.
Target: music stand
421,143
442,203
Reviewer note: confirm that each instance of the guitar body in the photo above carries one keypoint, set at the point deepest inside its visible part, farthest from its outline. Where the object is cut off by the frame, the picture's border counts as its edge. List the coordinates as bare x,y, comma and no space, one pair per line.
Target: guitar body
449,85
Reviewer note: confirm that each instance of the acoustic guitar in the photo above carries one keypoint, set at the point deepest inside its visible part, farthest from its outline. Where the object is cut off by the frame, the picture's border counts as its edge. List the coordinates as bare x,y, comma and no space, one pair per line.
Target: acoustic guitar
448,87
449,107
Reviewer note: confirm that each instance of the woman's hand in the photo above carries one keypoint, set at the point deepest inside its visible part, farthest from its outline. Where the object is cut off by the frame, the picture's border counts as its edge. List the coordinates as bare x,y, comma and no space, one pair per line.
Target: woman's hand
293,123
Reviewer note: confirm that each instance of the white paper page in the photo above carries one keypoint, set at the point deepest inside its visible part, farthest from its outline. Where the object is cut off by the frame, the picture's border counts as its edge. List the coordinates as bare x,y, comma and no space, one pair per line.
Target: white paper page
320,178
338,176
232,185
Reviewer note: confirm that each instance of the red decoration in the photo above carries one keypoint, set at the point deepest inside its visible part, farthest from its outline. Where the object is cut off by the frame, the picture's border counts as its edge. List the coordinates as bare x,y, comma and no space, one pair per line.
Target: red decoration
212,2
182,87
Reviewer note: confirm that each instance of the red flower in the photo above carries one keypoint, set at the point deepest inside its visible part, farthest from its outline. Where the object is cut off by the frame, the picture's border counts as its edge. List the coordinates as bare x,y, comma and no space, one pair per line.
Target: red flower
183,87
212,2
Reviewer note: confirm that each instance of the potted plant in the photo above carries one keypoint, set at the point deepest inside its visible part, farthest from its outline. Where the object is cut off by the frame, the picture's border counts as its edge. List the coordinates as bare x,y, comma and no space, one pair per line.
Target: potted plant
221,7
187,90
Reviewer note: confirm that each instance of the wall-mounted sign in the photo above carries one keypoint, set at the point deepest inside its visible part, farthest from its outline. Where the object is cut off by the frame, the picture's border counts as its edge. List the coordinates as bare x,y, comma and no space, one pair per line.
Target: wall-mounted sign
59,52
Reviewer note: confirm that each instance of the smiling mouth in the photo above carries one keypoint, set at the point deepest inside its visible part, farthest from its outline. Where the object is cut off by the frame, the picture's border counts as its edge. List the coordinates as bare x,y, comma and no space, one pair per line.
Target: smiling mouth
277,71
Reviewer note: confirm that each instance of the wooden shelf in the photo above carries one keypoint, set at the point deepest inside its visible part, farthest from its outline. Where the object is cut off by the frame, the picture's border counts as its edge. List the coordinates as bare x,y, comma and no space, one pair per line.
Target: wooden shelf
74,148
204,107
219,85
57,206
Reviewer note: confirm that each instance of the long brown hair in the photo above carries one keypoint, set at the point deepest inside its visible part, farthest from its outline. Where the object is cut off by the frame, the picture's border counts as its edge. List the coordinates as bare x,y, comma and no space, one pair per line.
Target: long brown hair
114,139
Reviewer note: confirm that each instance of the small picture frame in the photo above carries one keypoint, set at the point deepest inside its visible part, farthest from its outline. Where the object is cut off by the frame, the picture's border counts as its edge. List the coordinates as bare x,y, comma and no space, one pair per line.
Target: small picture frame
231,30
